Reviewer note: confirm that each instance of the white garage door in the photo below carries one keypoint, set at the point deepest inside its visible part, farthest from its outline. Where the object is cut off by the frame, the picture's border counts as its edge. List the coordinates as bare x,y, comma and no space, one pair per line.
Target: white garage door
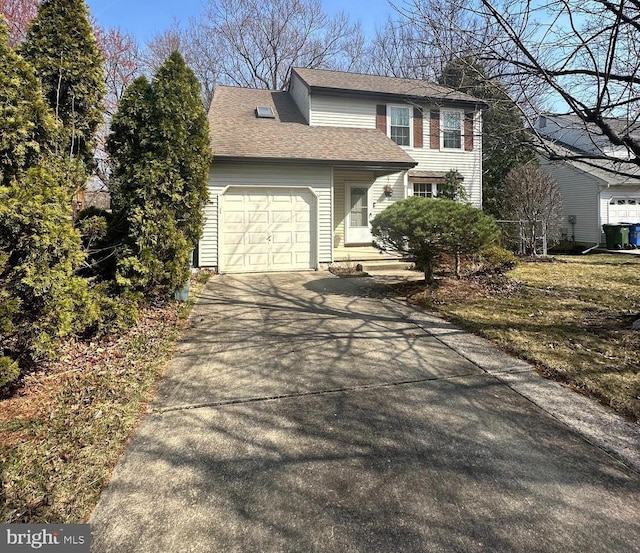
266,230
624,210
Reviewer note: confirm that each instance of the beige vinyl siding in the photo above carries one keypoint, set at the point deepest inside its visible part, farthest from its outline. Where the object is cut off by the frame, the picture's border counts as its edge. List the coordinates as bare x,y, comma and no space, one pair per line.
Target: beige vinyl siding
224,174
208,245
380,201
467,163
352,112
300,94
329,111
580,198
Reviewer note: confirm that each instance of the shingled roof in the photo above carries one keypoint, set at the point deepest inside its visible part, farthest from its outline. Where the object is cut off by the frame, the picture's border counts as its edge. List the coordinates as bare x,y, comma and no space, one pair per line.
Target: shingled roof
375,85
236,132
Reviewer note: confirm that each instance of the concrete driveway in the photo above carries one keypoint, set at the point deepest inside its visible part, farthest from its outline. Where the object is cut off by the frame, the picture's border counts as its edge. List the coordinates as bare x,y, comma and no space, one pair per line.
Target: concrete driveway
303,413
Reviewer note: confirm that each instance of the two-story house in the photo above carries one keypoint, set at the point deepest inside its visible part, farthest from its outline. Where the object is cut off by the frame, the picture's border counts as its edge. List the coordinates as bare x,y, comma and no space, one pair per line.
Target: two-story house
594,191
297,175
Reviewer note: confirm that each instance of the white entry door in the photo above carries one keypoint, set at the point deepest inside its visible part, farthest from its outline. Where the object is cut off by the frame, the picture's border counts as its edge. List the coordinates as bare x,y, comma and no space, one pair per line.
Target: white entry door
358,212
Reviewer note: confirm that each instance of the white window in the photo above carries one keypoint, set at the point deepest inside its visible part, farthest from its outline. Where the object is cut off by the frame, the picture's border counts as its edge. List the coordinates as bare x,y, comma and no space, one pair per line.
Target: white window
400,125
451,129
425,189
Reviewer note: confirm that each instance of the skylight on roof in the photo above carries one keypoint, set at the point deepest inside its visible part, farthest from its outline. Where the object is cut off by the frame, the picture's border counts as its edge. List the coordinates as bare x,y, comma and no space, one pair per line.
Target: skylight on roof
265,112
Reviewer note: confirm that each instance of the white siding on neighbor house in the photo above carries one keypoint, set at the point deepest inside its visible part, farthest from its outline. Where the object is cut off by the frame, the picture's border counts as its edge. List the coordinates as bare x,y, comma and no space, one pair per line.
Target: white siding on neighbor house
580,198
334,111
300,94
224,174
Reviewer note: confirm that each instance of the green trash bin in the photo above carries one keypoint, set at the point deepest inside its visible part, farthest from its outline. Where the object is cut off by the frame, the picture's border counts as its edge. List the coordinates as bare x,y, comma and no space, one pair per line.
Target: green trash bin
617,236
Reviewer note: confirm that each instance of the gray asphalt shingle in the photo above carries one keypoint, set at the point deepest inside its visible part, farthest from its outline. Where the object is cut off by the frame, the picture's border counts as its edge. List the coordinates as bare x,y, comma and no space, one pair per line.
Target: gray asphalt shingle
237,132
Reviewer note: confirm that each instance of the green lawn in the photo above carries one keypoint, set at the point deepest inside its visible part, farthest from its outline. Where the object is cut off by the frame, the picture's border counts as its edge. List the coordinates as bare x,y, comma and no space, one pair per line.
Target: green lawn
572,318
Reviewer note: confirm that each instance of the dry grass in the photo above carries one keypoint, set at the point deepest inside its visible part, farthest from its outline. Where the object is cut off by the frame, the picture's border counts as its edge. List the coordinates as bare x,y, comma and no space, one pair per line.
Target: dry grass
572,318
63,430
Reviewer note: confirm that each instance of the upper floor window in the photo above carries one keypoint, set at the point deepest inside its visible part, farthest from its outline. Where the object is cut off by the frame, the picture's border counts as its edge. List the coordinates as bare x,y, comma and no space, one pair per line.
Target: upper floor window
451,129
400,125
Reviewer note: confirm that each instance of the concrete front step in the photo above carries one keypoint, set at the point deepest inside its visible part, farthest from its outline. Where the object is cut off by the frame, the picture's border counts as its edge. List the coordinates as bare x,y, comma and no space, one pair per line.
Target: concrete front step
391,265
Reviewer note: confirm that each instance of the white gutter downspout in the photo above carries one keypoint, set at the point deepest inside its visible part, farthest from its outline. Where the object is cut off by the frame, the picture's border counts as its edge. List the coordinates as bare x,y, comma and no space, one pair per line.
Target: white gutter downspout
600,223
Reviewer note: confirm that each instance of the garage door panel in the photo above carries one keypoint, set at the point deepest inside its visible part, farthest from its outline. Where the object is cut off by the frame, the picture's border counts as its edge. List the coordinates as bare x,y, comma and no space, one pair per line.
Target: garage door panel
261,217
235,217
283,238
282,259
268,230
233,238
234,262
285,217
257,259
302,217
257,238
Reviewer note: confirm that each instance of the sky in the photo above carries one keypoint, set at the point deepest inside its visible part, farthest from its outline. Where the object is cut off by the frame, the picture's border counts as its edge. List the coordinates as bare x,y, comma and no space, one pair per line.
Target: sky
145,18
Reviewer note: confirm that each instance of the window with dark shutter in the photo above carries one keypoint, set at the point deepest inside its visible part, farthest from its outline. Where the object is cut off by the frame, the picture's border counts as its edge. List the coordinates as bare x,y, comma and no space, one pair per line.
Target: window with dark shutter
468,131
417,128
434,129
381,118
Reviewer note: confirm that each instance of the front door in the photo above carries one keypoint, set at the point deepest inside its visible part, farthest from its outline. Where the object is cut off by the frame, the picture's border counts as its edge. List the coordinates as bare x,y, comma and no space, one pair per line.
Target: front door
357,229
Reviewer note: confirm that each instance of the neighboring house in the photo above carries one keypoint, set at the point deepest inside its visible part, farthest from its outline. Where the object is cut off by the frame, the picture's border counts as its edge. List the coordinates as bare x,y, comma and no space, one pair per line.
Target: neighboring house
593,193
298,175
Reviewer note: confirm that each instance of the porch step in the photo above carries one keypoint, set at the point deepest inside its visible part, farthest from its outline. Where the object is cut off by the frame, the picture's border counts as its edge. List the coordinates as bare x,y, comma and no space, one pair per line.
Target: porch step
385,265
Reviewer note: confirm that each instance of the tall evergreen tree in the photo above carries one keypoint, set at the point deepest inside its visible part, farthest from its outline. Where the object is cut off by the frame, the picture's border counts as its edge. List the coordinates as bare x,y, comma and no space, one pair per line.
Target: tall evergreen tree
29,131
129,145
505,143
40,298
63,50
183,142
160,155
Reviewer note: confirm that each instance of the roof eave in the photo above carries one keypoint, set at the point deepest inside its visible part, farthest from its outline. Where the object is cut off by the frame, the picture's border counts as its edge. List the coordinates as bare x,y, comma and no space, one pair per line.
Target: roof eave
374,165
389,97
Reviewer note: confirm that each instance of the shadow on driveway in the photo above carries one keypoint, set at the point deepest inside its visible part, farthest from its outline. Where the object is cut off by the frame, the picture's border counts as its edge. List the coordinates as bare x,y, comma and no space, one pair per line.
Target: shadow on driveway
303,415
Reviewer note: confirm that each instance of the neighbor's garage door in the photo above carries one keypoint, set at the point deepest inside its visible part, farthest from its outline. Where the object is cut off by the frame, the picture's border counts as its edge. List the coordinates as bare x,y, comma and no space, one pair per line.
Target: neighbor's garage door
624,210
266,230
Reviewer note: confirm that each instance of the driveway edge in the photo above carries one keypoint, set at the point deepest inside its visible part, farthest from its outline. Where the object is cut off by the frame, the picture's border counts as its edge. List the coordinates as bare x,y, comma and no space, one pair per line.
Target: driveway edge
585,416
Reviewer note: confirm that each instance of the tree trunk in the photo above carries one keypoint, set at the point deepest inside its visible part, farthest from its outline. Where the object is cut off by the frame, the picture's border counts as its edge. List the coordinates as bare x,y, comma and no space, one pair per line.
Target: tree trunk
428,271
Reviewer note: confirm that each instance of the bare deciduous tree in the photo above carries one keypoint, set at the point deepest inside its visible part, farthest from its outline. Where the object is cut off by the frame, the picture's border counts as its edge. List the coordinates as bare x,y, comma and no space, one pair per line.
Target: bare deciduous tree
18,14
160,47
400,49
122,63
261,40
425,35
199,48
534,201
586,54
574,58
